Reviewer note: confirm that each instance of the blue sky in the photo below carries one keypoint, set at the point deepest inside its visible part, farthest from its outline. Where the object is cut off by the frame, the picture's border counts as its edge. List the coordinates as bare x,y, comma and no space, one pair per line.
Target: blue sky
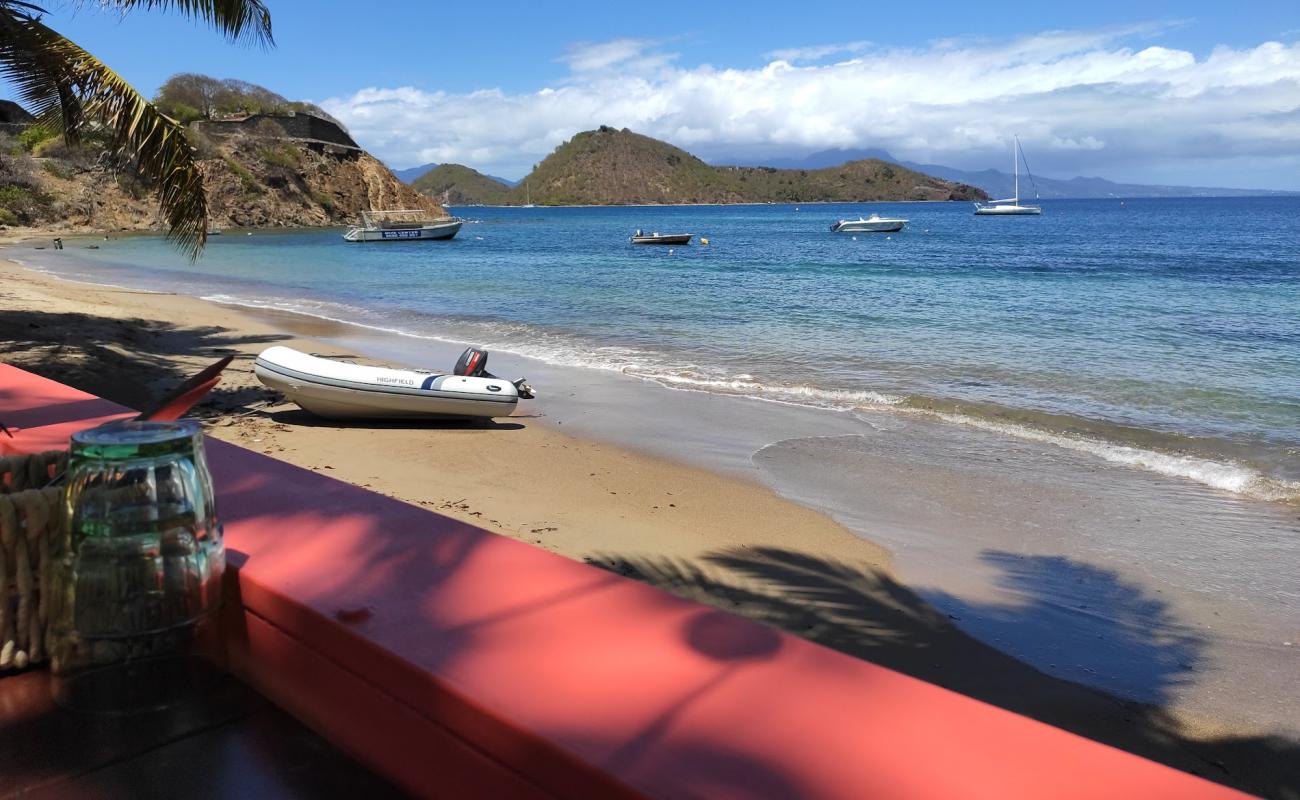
1129,91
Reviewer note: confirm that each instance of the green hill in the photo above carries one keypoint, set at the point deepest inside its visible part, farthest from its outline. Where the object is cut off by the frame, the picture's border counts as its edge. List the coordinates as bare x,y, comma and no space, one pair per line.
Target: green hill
619,167
453,184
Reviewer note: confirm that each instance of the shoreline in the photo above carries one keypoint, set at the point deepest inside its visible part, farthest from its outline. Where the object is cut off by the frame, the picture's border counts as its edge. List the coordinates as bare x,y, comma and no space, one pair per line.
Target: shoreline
715,538
1257,471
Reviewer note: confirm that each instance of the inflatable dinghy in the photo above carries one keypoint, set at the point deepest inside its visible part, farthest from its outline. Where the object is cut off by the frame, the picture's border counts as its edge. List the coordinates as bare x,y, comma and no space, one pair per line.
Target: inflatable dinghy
341,390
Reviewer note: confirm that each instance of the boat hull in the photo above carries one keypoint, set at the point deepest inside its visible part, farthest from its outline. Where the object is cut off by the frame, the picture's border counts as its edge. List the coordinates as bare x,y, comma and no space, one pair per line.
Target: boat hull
672,238
1007,211
339,390
442,230
869,225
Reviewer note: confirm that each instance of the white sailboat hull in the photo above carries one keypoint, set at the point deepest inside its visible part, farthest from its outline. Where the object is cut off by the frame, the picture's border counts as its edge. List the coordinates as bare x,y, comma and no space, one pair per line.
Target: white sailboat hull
1007,210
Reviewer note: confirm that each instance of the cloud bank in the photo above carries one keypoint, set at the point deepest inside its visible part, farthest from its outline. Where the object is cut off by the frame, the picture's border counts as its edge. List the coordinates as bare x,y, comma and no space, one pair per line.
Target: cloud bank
1083,102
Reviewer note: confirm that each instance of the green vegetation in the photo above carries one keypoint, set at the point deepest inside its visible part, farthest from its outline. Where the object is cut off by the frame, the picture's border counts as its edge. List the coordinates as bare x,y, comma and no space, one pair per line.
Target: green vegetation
246,178
458,185
65,86
21,200
188,97
23,204
57,170
608,166
281,155
33,137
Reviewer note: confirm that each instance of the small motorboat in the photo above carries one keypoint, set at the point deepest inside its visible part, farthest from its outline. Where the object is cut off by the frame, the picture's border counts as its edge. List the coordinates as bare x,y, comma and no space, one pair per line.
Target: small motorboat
872,224
342,390
401,226
661,238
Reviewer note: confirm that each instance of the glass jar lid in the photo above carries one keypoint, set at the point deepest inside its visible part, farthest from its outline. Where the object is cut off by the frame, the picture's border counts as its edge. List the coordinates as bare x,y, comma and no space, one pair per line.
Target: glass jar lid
130,438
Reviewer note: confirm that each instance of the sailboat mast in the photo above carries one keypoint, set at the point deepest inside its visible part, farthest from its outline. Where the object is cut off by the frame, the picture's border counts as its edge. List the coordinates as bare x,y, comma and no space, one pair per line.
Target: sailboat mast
1015,166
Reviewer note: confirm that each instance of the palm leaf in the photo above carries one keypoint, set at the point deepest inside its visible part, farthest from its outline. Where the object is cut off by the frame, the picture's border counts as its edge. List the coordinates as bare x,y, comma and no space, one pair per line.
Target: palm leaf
239,20
68,89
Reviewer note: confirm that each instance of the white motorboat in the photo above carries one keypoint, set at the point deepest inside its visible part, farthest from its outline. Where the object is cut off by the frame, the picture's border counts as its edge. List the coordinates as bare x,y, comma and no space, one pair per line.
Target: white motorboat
1011,205
400,226
343,390
872,224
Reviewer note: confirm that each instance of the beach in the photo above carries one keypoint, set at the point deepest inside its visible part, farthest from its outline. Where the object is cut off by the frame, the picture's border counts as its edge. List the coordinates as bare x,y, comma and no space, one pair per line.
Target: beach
559,476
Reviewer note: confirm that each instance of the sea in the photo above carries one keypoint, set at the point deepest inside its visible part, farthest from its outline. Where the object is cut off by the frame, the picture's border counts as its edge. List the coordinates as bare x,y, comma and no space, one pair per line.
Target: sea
1112,387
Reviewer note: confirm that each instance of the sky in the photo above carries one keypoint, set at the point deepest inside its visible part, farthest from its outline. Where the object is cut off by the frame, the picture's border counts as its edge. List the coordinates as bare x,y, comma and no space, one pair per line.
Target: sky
1200,93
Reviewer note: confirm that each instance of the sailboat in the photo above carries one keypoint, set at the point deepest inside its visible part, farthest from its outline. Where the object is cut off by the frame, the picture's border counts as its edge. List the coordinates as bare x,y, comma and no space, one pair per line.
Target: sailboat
1011,205
528,197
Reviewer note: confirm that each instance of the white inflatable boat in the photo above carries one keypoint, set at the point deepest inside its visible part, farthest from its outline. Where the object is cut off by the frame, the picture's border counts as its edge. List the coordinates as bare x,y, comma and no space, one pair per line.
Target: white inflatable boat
341,390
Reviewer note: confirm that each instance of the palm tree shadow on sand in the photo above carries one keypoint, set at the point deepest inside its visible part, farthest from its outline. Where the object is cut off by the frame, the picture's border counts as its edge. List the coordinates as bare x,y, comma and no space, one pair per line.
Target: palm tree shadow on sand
1085,623
865,613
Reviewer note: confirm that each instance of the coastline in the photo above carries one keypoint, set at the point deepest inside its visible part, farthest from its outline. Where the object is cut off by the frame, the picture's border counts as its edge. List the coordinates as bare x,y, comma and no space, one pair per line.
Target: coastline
717,538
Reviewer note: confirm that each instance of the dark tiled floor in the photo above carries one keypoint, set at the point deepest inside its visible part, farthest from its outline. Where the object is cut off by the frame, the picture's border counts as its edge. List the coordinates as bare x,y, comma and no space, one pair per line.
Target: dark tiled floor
233,744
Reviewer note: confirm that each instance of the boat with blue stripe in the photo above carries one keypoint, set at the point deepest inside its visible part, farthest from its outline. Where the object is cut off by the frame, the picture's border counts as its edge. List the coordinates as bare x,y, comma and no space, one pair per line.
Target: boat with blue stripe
338,389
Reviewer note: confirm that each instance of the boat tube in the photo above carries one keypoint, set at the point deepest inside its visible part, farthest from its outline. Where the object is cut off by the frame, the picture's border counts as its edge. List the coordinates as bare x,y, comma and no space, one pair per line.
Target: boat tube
661,238
343,390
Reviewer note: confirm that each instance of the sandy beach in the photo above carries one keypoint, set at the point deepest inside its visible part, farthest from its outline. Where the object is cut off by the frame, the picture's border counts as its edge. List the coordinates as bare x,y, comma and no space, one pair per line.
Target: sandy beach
715,537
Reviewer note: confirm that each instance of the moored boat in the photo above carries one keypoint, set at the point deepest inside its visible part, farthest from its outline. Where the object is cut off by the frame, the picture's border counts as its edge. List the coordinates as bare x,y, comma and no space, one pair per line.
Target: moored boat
872,224
342,390
401,225
1011,206
661,238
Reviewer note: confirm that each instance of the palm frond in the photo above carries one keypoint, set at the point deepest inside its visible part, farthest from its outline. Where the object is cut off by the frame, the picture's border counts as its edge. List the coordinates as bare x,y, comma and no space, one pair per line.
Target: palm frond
68,89
239,20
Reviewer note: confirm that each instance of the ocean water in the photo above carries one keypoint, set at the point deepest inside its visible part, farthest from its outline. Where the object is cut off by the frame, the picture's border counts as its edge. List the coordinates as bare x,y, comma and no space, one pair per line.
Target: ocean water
1163,335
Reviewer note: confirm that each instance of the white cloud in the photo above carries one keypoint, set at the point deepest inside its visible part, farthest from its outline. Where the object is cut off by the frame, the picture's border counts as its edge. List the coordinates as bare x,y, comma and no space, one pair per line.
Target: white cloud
1083,102
816,52
623,55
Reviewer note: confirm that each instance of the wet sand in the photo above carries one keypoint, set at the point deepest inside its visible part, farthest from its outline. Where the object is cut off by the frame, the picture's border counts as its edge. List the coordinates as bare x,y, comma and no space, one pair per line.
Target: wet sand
679,499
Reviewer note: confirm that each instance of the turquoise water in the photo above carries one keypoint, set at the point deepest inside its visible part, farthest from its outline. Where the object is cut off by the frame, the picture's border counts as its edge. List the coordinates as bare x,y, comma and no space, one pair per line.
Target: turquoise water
1161,334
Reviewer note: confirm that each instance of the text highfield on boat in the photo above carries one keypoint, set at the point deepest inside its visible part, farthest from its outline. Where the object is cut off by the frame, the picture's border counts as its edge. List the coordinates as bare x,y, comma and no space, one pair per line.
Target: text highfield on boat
402,225
1011,206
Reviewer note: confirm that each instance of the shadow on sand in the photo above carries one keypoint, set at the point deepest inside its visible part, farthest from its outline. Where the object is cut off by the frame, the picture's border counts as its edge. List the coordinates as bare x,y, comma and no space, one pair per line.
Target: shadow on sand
303,419
131,362
865,613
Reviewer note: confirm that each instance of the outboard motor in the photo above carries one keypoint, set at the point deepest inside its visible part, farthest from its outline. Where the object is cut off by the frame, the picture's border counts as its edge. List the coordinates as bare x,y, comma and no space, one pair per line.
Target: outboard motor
472,363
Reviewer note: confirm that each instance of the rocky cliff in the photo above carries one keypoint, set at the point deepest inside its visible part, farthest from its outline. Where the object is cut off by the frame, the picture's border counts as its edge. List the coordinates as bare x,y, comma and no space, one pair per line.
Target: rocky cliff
275,172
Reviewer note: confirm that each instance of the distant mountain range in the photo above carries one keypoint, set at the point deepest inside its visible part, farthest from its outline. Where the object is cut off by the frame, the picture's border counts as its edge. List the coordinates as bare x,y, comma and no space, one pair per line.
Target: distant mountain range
412,174
620,167
1002,184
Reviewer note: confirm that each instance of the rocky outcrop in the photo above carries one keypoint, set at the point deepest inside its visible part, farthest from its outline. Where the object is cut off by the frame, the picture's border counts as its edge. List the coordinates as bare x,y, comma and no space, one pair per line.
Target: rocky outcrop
270,173
265,181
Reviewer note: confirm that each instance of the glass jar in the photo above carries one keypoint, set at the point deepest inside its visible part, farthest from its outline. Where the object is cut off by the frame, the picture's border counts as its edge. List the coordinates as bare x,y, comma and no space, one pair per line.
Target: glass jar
137,582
